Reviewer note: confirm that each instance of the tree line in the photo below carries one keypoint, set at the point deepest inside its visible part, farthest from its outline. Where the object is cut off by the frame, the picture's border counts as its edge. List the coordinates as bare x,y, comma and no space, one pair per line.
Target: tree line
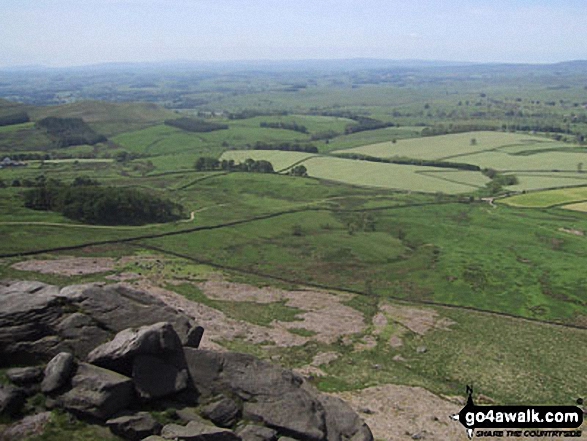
195,125
66,132
206,163
284,125
85,201
286,147
411,161
14,118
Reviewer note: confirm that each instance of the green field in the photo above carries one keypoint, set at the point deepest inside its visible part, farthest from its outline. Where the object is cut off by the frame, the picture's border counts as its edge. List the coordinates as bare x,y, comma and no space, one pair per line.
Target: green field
451,146
280,160
581,207
550,198
508,275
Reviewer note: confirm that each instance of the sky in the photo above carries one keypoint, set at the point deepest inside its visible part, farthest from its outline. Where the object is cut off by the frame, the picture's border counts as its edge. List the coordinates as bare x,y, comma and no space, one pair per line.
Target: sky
80,32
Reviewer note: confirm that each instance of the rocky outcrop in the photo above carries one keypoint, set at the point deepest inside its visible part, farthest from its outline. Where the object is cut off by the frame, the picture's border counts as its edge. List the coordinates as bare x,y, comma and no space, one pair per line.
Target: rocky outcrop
38,321
221,396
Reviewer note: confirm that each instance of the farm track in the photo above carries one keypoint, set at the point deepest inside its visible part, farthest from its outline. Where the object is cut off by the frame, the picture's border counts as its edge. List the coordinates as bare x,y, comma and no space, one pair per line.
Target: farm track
135,241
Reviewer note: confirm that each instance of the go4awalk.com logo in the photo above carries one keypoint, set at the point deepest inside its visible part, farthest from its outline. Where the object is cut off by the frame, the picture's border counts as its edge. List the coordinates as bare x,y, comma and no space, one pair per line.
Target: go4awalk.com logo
505,421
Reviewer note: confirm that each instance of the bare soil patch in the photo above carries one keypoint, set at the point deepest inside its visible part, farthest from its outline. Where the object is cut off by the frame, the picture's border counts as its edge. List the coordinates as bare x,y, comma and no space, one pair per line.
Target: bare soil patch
403,413
70,266
418,320
572,231
218,327
325,314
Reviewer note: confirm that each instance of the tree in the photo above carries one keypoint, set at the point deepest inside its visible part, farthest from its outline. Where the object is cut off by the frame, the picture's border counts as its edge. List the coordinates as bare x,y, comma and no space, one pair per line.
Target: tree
473,141
580,167
299,170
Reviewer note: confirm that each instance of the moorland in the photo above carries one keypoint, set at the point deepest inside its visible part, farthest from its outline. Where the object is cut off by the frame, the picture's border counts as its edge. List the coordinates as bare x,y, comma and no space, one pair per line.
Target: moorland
436,215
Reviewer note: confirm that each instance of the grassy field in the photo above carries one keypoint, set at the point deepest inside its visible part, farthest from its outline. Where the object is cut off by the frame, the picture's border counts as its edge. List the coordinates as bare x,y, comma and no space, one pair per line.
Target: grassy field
550,198
509,279
581,207
280,160
450,146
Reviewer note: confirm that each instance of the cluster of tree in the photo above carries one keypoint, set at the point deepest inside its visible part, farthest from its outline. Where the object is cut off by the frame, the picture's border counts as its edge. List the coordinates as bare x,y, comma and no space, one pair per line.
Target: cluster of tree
498,180
123,156
70,131
298,170
411,161
14,118
286,147
195,125
206,163
366,123
87,202
284,125
252,113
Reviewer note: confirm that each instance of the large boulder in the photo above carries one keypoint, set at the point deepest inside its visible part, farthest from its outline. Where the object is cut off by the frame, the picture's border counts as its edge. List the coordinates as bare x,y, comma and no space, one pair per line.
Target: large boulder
118,354
223,413
11,400
37,321
135,426
154,378
342,423
57,372
96,392
25,376
196,431
272,396
256,433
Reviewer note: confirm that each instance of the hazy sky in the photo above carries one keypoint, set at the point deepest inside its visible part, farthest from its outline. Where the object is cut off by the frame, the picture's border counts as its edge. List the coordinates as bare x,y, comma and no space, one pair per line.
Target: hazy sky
77,32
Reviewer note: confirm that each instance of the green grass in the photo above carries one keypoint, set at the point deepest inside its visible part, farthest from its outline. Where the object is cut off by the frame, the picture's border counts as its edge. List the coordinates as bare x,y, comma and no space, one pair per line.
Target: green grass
479,349
63,426
391,176
505,260
550,198
449,146
279,159
581,207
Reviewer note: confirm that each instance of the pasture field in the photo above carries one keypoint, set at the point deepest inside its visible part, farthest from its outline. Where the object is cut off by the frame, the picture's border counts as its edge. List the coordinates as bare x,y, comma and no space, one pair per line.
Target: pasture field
381,175
449,147
580,206
280,160
546,162
549,198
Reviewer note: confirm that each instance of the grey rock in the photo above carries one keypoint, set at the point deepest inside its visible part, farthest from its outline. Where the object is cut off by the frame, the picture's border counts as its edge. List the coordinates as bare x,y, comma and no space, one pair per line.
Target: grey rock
421,349
188,414
96,392
194,337
195,431
135,426
25,376
287,438
154,438
296,413
342,423
29,426
57,372
256,433
155,378
223,413
37,321
11,400
272,396
118,354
